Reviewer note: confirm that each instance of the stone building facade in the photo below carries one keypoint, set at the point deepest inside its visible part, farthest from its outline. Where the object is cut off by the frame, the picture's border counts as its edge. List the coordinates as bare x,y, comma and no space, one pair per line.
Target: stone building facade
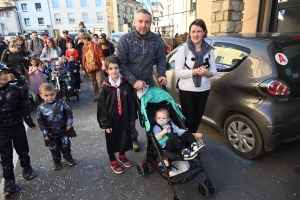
226,16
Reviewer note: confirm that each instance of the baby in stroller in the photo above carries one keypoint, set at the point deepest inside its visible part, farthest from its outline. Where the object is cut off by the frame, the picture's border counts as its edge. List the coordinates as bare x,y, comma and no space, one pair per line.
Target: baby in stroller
61,74
172,138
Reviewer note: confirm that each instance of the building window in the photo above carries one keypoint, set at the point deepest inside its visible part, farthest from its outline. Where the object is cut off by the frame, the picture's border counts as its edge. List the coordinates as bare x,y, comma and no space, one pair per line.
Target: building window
27,21
69,3
1,14
55,3
100,17
57,18
24,7
38,6
7,14
85,17
83,3
41,21
98,2
71,18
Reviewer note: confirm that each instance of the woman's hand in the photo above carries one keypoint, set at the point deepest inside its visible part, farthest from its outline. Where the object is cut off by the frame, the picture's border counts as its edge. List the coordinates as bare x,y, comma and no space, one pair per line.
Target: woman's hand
48,59
108,130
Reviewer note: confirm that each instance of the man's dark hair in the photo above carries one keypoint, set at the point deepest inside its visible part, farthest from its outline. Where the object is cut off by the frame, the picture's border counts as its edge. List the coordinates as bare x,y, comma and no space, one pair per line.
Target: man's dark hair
33,32
95,35
144,11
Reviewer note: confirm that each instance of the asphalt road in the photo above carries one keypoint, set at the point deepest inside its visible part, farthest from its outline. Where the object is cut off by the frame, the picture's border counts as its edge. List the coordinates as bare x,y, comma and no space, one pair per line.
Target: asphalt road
275,175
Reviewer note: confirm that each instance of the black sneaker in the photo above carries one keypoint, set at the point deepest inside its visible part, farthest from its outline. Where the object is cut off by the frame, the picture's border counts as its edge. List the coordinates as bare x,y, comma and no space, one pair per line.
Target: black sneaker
28,173
56,165
188,154
9,187
71,161
135,145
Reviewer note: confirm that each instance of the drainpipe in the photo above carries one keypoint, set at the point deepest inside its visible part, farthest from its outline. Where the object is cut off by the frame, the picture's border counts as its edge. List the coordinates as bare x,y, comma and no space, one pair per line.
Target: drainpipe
17,11
50,19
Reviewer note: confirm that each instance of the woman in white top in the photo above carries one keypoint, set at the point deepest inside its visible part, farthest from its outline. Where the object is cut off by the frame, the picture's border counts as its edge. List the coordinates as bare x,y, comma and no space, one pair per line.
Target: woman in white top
51,53
194,84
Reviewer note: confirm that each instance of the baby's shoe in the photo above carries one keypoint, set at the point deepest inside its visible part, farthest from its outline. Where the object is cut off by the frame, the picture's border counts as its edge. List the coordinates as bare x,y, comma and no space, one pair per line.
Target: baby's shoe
197,146
188,154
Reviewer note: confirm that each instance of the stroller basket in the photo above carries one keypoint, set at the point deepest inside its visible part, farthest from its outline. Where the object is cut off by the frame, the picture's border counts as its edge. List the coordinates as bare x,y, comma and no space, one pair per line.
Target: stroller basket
153,100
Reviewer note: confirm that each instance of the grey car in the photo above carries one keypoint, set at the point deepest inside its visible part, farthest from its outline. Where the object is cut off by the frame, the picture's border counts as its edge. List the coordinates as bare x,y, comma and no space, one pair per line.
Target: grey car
255,97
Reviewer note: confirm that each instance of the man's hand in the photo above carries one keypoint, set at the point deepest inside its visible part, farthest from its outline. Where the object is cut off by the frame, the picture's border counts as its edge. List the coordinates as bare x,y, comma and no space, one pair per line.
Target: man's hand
68,127
47,138
108,130
162,80
139,84
33,128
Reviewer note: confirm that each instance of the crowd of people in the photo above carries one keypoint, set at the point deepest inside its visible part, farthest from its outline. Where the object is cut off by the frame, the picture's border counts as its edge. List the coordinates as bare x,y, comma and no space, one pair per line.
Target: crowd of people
114,78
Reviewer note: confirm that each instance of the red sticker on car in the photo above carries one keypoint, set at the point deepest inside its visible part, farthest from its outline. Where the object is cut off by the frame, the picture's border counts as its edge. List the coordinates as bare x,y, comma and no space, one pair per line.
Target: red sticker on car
281,59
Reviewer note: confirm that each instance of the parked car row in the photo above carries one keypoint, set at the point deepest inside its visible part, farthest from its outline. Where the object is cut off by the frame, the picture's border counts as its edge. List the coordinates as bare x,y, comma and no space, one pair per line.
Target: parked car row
255,97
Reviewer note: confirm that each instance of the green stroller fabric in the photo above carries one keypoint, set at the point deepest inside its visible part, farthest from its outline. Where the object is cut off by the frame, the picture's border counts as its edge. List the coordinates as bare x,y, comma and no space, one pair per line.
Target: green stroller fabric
157,95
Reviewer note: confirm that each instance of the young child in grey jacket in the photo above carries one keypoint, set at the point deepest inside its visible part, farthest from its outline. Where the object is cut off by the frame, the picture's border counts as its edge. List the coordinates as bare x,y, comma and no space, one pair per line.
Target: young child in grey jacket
62,74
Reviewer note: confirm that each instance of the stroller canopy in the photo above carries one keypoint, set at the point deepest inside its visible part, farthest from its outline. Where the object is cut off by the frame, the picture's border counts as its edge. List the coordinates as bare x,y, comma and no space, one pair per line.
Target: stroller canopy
157,95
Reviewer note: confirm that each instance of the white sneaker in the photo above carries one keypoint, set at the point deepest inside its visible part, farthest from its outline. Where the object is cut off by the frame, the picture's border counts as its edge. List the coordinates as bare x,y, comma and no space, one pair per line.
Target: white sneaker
69,88
196,146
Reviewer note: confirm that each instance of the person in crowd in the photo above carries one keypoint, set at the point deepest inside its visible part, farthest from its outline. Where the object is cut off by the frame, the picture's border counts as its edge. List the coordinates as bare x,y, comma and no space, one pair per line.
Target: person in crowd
35,45
92,63
12,131
116,117
24,52
82,27
7,43
2,47
62,74
51,53
44,38
36,76
71,51
57,38
55,128
13,59
172,138
96,38
194,84
91,34
79,44
107,47
74,68
62,43
138,51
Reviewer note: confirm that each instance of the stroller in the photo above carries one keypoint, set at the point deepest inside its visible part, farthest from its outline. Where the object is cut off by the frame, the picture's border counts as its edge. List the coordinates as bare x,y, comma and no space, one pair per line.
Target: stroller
151,101
63,92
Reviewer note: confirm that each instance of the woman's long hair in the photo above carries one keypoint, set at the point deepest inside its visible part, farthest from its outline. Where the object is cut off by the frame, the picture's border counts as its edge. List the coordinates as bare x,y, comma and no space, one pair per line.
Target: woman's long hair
24,48
53,43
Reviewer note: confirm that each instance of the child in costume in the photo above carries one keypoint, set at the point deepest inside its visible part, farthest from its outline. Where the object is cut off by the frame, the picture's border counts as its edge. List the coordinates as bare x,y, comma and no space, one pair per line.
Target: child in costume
55,118
61,73
13,109
74,68
37,77
115,114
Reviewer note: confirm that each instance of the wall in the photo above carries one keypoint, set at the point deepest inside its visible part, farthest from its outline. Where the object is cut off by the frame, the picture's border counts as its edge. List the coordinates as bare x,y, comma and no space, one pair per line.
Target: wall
250,18
204,12
77,10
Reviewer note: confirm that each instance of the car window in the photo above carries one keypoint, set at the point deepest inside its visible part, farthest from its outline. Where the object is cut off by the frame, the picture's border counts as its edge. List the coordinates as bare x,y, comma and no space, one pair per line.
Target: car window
171,61
292,68
229,56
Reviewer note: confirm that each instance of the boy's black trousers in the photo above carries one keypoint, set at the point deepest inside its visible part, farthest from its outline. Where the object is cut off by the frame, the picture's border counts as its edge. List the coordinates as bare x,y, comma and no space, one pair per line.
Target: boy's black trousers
13,137
177,143
58,146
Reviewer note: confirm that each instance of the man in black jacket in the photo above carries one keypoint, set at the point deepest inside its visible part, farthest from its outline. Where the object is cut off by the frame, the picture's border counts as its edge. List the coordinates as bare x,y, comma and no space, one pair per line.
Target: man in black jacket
13,109
62,43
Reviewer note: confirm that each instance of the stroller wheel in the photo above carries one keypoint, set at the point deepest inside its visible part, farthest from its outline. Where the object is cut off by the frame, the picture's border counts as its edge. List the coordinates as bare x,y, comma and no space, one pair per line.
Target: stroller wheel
203,190
140,169
210,186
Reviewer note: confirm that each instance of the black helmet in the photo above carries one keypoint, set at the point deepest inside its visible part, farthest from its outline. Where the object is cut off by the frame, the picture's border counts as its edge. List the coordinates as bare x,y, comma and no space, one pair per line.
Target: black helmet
3,67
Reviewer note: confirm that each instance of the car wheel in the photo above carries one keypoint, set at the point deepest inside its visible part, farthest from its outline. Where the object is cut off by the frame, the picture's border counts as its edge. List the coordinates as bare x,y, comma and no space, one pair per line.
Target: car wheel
243,136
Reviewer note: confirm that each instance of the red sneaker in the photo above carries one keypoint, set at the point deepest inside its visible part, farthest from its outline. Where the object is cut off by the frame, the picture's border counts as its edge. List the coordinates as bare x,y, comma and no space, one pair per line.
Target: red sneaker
116,167
125,161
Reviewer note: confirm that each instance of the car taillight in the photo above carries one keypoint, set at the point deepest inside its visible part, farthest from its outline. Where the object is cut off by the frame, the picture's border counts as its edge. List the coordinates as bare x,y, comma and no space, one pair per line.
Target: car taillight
275,88
296,38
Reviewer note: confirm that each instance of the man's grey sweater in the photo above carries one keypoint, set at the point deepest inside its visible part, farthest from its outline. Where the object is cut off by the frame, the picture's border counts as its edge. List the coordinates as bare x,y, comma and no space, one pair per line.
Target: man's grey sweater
138,54
36,46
